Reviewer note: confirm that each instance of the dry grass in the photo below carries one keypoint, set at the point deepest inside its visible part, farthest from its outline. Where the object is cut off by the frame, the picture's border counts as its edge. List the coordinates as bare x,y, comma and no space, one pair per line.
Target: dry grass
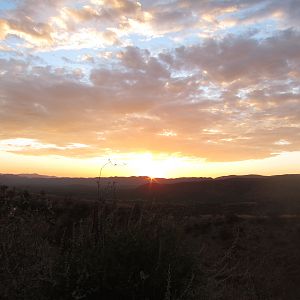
70,250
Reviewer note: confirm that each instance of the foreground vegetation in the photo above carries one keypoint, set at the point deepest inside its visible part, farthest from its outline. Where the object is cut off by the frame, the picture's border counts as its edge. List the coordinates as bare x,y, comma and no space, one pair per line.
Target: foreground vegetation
67,249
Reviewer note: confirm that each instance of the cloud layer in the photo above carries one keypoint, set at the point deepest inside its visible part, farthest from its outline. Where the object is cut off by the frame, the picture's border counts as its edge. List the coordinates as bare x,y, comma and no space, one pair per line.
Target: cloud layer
216,80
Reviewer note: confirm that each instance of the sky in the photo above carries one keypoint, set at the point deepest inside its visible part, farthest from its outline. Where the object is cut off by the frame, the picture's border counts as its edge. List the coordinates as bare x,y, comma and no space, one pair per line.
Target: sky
167,88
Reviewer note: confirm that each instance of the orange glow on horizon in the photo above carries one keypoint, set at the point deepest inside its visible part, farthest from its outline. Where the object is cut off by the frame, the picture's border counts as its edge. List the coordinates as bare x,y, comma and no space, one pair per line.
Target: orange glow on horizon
145,164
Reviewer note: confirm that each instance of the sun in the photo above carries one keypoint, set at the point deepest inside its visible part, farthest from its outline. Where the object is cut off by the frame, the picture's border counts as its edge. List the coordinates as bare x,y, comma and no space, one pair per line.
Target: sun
152,169
146,165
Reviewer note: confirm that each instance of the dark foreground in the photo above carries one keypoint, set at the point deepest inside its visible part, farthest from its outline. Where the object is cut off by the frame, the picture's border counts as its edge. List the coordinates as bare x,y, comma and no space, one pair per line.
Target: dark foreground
72,249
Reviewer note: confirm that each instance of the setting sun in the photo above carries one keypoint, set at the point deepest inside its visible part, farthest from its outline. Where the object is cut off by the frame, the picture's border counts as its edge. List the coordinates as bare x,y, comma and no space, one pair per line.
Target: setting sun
146,165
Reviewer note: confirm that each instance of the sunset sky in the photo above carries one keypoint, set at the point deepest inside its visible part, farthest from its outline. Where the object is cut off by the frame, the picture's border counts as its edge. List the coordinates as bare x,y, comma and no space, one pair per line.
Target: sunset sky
163,88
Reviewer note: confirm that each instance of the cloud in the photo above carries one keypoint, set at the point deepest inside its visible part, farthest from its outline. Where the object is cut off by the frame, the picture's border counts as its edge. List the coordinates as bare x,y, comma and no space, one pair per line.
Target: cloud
92,23
25,144
225,97
4,28
209,17
239,58
241,107
61,24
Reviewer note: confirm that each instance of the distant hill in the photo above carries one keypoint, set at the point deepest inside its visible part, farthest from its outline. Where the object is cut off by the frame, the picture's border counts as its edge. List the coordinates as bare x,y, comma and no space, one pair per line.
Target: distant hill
37,179
245,188
271,194
240,176
241,193
81,187
34,175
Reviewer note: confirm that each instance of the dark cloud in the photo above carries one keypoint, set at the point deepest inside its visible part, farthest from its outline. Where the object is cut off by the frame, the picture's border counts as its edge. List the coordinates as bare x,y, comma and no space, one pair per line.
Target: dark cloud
237,58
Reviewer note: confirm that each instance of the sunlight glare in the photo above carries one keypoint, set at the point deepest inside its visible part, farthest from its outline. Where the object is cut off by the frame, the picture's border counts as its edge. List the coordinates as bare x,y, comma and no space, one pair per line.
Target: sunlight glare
146,165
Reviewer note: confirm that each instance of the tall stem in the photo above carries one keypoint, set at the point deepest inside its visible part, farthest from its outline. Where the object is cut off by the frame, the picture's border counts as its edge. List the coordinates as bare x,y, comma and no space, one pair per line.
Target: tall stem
100,199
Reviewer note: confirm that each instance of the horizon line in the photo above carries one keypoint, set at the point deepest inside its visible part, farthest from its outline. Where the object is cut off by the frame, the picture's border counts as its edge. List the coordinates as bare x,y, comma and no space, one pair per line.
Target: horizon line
37,175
